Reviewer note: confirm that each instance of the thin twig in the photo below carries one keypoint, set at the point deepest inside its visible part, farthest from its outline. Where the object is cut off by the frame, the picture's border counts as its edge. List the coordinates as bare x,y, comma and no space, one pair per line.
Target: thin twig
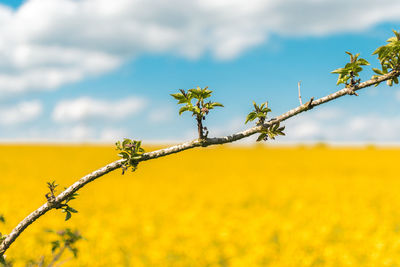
178,148
57,256
63,261
298,85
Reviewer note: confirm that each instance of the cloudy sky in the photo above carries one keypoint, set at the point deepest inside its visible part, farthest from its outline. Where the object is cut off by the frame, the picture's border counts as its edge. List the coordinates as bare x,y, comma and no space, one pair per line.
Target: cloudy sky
100,70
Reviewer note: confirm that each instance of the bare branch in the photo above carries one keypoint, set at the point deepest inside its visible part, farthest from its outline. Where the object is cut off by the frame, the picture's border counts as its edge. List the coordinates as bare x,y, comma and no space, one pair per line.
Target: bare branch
298,85
57,256
181,147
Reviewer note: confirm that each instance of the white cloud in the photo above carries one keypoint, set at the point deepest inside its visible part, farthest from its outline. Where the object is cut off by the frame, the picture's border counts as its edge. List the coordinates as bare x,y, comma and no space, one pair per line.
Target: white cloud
77,133
48,43
86,108
374,127
345,128
306,129
234,125
163,114
397,95
112,134
20,113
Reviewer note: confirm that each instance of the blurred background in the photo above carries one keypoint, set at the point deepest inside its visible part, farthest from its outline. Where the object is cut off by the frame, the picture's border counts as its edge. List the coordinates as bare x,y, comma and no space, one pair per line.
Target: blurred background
78,75
98,71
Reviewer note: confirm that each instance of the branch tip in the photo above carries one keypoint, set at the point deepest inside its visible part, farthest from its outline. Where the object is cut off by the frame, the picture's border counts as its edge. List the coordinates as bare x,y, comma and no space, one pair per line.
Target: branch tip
298,85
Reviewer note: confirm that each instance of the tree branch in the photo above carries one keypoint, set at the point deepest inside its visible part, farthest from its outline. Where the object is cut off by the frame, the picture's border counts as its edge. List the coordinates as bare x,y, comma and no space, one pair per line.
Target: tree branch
181,147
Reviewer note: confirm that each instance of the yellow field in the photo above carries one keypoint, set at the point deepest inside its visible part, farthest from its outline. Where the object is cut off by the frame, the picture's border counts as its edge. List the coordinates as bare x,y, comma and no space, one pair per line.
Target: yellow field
212,207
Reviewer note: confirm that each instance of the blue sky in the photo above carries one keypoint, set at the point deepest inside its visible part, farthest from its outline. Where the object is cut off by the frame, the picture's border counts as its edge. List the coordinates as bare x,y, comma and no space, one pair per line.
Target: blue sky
98,71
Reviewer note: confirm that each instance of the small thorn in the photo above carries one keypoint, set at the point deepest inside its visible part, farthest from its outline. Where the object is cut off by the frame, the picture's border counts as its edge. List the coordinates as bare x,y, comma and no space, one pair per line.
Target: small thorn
309,103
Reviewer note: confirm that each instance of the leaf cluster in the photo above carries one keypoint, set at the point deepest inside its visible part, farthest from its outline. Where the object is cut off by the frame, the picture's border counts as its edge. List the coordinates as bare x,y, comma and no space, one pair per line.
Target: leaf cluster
68,209
200,108
52,187
66,240
350,70
64,206
259,112
131,151
271,132
389,57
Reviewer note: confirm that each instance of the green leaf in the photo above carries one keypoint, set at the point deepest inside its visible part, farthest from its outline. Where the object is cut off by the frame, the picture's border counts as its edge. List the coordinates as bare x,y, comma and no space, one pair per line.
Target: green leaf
342,80
384,53
178,96
271,135
349,66
124,155
260,114
216,104
185,108
197,93
377,71
280,130
126,142
72,210
55,245
138,145
196,110
74,251
340,71
377,51
255,105
252,115
68,216
181,98
206,93
362,61
397,34
356,70
261,137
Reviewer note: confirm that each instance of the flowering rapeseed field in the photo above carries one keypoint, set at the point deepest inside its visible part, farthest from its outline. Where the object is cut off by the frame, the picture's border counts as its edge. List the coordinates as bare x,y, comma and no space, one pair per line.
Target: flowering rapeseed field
224,206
